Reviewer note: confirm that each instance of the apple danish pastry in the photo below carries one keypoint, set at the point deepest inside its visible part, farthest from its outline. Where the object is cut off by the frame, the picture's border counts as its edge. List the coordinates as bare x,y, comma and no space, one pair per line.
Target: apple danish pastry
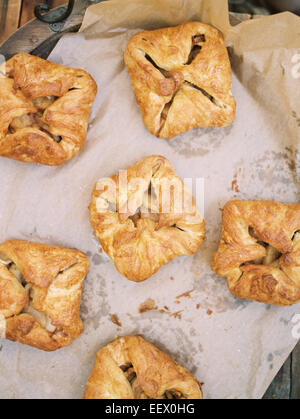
181,77
40,293
144,217
259,252
44,110
132,368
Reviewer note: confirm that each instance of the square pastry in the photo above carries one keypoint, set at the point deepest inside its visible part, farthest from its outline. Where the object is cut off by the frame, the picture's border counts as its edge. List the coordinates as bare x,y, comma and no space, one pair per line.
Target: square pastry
181,77
132,368
144,217
259,252
44,110
40,293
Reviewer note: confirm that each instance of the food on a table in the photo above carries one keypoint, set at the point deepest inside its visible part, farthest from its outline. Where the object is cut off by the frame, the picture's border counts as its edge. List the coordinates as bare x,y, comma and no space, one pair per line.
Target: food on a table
259,252
181,77
132,368
44,110
145,217
40,293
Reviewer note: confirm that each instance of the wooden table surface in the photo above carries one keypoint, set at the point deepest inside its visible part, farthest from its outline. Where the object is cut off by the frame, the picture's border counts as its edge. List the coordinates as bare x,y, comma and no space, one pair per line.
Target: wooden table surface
14,14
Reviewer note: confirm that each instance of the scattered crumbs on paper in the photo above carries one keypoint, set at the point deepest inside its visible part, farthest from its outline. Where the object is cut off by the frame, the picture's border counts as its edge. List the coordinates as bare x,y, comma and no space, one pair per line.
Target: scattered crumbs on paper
209,312
115,320
147,305
150,305
185,294
234,183
172,278
177,302
294,115
197,306
177,314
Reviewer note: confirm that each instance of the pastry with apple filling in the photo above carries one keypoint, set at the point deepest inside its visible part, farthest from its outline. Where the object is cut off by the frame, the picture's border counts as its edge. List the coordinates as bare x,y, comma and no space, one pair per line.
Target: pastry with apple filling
40,293
259,251
132,368
181,77
44,110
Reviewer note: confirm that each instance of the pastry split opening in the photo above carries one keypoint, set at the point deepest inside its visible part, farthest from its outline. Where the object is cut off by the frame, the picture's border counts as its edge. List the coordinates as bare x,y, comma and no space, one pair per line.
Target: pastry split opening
35,120
272,255
196,48
163,203
164,72
138,392
38,316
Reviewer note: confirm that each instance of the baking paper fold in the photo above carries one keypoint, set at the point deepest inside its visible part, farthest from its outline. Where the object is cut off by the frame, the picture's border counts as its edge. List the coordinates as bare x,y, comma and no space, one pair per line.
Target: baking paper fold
234,346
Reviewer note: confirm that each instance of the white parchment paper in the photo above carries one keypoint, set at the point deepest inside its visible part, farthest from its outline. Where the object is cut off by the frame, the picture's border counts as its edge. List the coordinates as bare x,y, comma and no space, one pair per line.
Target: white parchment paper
234,346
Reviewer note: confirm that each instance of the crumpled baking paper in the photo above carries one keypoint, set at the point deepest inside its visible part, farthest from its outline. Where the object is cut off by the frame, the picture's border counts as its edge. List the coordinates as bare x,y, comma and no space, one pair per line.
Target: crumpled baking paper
234,346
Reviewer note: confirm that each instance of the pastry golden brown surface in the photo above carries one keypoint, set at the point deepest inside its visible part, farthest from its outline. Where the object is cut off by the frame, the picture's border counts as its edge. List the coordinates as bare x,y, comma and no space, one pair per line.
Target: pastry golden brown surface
132,368
259,252
40,293
181,77
44,110
156,221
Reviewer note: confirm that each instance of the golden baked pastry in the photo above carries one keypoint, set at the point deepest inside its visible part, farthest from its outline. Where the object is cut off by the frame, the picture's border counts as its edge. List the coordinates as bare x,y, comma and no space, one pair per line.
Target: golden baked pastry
145,217
132,368
40,293
181,77
44,110
259,252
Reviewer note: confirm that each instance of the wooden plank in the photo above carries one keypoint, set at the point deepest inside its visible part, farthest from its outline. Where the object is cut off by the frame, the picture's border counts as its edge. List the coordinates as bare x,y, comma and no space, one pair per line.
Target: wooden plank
27,12
295,370
280,387
10,14
37,37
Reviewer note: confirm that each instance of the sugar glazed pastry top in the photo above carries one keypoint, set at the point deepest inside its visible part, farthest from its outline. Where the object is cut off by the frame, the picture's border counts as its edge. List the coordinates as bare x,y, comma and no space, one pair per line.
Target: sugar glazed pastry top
259,252
132,368
147,221
40,293
181,77
44,110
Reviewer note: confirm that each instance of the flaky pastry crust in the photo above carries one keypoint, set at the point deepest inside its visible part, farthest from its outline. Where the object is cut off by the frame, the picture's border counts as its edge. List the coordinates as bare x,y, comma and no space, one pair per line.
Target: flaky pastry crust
132,368
181,77
40,293
259,252
44,110
147,227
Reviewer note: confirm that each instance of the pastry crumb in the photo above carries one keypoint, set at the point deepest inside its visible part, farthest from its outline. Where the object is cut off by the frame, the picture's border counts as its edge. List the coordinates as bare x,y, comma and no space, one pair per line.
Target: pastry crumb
234,184
172,278
185,294
177,314
114,318
197,306
147,305
209,312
